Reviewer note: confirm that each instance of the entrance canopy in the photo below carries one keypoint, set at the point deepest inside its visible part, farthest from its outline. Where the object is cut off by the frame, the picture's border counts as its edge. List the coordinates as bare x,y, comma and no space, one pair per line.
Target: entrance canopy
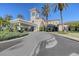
22,23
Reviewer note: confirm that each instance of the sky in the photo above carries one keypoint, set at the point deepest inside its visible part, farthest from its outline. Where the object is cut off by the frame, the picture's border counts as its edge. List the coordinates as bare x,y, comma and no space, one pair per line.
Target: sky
71,13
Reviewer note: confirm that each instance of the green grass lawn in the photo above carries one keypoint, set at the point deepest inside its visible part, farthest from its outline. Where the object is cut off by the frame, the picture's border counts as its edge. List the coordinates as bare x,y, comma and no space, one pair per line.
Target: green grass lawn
63,32
4,35
73,34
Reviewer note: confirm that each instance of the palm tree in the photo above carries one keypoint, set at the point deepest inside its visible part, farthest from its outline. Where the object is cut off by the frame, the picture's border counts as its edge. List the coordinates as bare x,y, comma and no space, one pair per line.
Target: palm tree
1,21
7,19
60,7
45,11
20,16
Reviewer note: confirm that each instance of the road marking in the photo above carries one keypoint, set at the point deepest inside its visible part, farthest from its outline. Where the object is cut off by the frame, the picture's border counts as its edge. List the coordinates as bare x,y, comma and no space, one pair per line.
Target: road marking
74,54
37,50
51,43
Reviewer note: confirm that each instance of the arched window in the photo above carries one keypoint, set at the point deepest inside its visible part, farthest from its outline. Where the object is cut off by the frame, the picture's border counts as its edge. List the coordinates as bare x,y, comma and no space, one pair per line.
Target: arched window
33,13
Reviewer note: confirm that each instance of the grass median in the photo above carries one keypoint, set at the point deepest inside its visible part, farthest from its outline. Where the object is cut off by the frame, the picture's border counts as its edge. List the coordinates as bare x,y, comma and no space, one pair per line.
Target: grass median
4,35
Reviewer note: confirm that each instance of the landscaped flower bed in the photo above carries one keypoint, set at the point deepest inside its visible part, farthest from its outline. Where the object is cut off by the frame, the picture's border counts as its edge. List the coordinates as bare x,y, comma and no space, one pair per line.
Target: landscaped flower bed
10,35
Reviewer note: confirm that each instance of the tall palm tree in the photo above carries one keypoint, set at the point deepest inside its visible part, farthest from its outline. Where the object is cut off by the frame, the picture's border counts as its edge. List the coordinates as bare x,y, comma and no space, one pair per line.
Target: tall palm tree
1,21
45,11
7,19
60,7
20,16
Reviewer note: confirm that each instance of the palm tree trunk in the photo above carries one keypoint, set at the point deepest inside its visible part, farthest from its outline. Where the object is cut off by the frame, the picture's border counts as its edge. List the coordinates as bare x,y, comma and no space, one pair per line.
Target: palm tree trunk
46,23
46,17
61,21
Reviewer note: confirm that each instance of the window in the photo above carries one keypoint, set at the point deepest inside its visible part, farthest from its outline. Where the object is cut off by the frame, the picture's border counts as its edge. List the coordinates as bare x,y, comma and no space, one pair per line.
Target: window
33,14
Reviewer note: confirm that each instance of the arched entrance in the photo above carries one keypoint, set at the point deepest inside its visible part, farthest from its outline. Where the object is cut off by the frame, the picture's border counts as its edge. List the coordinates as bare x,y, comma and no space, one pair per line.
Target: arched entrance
32,28
51,28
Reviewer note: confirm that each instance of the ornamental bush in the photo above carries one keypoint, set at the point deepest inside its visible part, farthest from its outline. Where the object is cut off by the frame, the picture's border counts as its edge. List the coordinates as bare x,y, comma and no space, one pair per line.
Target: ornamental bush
41,28
4,35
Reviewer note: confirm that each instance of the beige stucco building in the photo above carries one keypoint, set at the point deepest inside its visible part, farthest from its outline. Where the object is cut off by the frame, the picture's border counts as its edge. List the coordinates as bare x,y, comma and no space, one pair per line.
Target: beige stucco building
35,21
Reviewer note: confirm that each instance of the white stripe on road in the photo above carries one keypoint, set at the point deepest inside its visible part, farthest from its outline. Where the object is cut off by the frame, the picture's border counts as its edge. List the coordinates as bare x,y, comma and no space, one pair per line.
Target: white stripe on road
74,54
51,43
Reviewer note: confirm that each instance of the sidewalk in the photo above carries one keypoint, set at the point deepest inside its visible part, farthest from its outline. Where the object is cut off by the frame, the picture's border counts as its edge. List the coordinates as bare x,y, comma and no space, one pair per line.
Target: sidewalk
67,36
27,46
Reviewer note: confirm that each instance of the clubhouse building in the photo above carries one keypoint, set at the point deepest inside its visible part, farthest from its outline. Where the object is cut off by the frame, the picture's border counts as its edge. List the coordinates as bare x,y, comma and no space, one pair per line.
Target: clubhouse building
35,22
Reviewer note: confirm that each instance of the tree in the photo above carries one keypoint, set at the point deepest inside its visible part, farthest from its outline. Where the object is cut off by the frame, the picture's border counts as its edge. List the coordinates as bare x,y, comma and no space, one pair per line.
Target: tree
20,16
45,11
7,19
1,23
60,7
41,28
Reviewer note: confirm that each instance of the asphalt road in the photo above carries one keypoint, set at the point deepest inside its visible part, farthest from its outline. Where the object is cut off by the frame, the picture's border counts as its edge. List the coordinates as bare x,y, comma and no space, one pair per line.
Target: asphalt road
26,46
64,47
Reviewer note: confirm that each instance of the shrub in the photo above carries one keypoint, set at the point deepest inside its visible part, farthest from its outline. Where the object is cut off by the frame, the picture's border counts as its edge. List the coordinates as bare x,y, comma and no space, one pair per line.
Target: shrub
41,28
10,35
62,32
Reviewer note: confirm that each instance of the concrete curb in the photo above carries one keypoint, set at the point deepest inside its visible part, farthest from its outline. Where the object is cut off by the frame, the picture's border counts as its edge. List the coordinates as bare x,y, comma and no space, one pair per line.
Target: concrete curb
34,51
31,52
8,43
69,37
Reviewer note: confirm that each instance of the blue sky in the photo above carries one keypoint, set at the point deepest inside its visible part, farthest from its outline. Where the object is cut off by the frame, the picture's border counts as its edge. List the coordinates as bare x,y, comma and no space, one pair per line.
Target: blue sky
70,14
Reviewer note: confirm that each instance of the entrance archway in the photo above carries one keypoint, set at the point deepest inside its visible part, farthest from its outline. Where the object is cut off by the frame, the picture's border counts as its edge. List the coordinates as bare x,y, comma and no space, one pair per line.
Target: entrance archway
51,28
32,28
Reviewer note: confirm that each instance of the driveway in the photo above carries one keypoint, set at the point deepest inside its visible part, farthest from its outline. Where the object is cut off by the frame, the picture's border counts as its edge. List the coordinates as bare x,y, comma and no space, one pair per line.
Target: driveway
27,46
64,47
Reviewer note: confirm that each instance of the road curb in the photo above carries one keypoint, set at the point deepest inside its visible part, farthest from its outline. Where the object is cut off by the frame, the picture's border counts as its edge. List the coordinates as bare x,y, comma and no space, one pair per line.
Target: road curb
28,51
69,37
8,43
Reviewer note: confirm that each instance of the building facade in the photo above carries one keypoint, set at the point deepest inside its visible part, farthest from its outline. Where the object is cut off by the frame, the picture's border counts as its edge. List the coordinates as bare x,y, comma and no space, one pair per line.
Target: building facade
35,21
40,22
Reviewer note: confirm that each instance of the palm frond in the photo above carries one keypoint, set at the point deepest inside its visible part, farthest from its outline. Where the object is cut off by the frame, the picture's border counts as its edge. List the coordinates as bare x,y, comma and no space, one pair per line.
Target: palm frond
45,10
54,7
66,5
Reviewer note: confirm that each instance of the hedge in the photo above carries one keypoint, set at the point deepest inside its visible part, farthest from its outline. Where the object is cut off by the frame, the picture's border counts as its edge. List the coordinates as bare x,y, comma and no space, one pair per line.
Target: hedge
10,35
